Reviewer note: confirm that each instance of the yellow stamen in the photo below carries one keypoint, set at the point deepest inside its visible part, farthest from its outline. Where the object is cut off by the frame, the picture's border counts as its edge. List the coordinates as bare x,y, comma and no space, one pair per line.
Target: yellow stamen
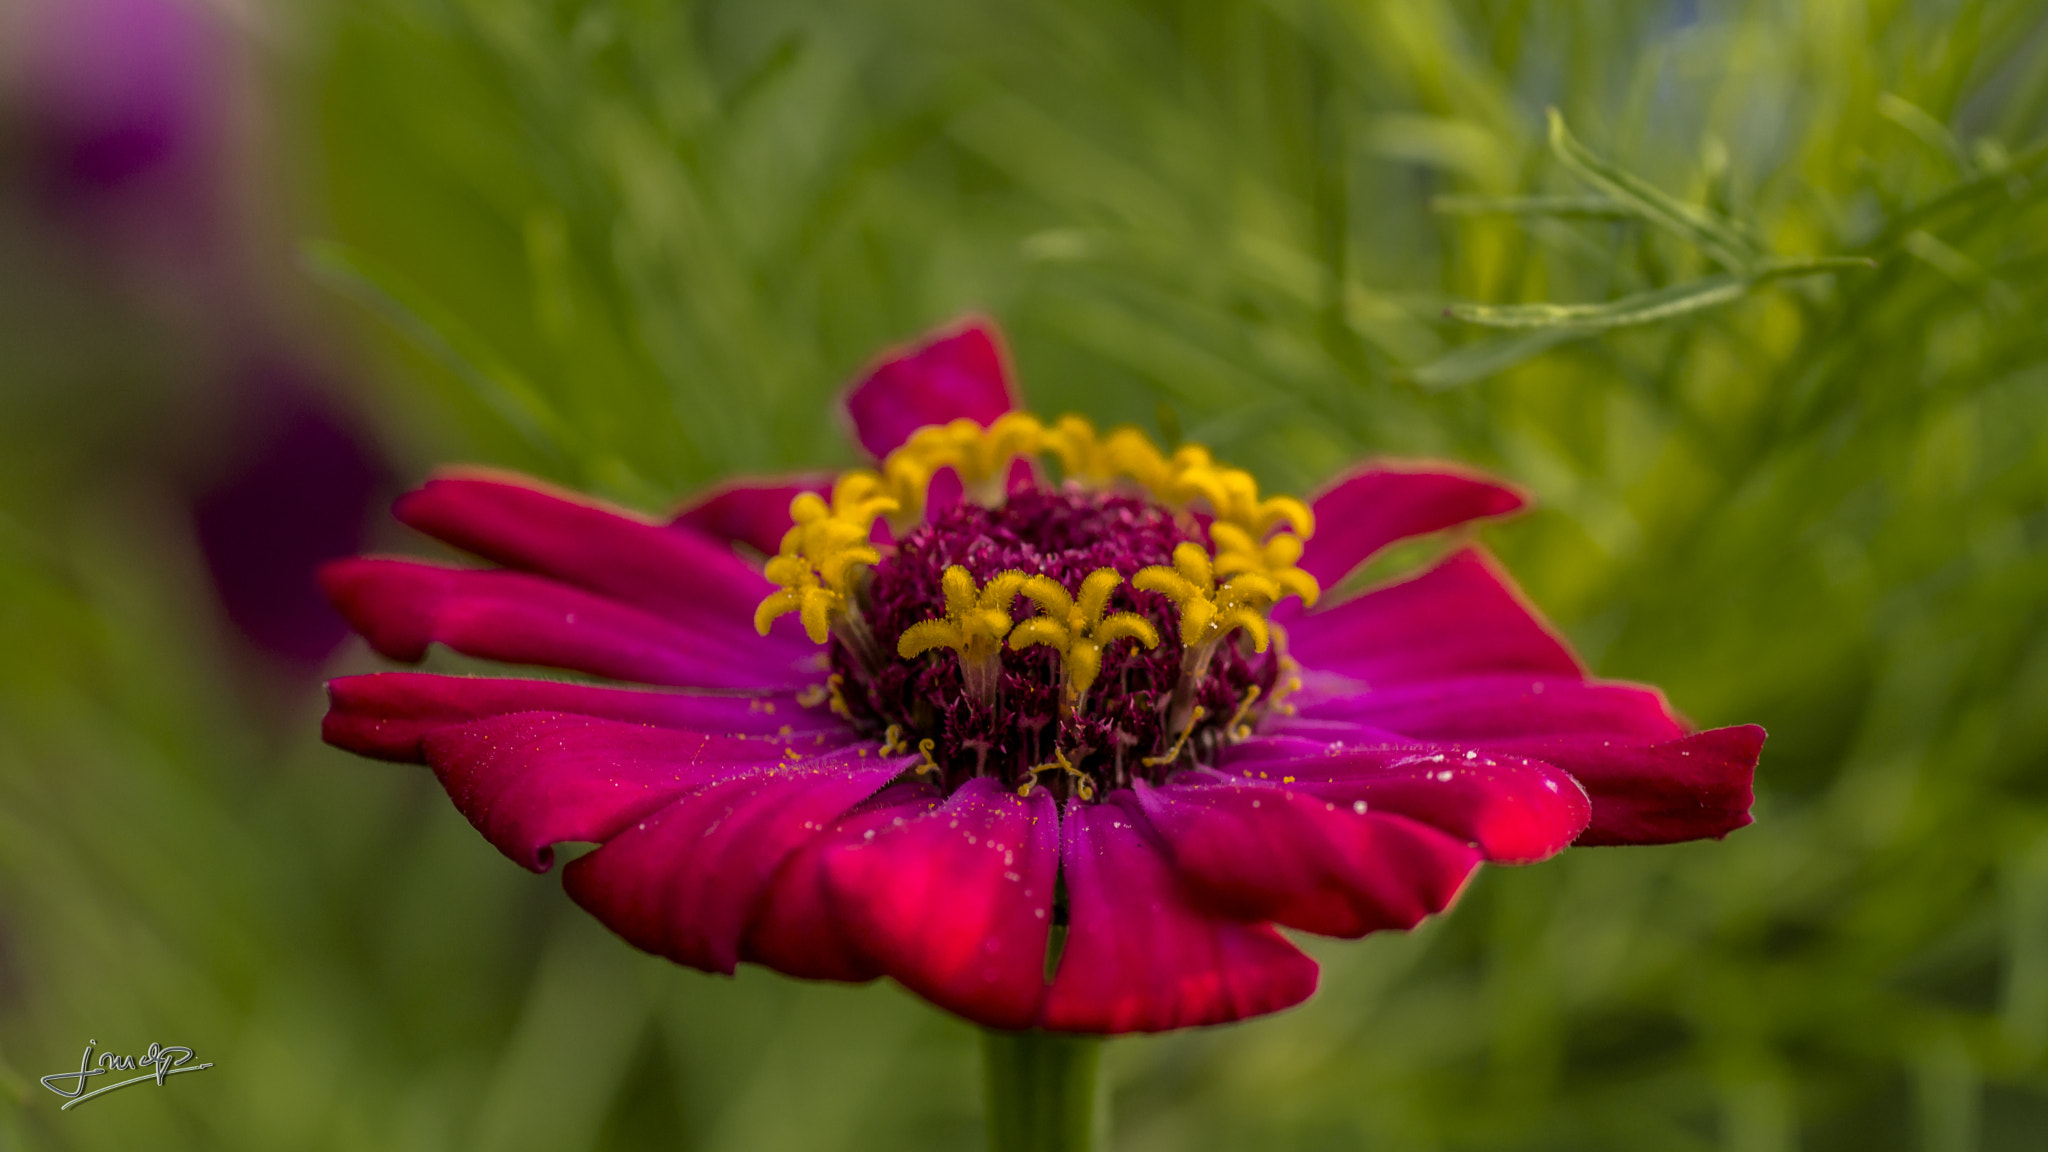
1084,785
1238,551
801,593
974,626
1237,728
1233,495
820,553
1292,685
893,741
924,748
1209,613
1077,630
981,456
1187,730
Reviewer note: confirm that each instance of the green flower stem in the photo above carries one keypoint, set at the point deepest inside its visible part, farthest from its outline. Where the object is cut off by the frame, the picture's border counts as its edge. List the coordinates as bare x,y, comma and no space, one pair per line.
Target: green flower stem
1041,1089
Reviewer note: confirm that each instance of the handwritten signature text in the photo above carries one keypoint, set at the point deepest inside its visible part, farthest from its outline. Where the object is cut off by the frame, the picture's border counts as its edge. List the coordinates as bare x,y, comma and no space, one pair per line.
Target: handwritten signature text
162,1060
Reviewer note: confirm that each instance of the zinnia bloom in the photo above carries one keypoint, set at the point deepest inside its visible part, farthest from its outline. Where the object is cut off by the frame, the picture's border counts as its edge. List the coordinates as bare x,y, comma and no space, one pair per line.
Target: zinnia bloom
1051,754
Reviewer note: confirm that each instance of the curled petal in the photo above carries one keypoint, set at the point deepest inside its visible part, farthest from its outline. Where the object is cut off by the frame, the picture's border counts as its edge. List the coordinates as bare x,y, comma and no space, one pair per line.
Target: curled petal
532,780
685,880
1461,617
796,928
1258,852
1485,709
1375,506
1516,810
956,904
1692,788
401,607
389,714
517,522
1141,955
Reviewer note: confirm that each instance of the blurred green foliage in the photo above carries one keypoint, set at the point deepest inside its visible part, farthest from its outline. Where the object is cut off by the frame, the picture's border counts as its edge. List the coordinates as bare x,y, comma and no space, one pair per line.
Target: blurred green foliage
637,246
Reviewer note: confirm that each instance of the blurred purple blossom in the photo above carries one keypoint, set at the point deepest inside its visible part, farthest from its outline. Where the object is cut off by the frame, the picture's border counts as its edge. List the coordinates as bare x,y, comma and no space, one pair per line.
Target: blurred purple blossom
130,119
295,491
124,108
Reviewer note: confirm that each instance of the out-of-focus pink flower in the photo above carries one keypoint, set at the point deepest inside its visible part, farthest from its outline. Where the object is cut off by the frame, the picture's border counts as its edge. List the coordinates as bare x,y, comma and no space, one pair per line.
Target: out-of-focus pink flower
124,108
1132,788
294,492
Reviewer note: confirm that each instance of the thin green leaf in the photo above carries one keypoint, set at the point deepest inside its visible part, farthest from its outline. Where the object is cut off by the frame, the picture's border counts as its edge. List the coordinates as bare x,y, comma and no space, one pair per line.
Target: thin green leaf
436,332
1569,207
1477,361
1648,307
1712,235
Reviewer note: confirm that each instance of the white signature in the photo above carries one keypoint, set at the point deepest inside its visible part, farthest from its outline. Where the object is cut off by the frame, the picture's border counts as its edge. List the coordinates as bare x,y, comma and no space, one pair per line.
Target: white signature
162,1060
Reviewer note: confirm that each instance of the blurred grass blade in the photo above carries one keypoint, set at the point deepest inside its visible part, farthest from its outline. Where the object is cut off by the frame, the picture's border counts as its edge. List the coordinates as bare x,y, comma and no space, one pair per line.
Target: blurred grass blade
1476,362
1641,308
1568,207
1648,307
2013,180
436,332
1712,235
1923,127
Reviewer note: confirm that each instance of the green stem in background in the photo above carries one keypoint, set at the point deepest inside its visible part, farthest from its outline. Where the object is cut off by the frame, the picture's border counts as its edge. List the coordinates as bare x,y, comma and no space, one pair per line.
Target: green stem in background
1040,1089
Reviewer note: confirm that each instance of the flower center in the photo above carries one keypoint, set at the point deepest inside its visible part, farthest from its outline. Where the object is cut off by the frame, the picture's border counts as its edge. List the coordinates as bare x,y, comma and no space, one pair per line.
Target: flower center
1076,637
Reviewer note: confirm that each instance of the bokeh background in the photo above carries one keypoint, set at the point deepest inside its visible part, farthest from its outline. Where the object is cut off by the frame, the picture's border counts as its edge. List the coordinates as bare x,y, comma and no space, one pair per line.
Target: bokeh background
262,264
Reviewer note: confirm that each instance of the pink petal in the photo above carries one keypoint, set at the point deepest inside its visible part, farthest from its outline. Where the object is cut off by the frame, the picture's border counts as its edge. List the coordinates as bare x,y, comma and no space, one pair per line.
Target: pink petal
400,607
686,880
1484,708
752,514
1691,788
796,930
388,714
1141,955
958,373
1258,852
681,577
1460,618
1379,504
535,779
1516,810
956,905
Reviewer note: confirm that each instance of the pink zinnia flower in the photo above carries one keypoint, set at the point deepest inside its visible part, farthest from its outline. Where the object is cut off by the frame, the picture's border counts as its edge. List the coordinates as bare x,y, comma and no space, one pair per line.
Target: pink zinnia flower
1069,752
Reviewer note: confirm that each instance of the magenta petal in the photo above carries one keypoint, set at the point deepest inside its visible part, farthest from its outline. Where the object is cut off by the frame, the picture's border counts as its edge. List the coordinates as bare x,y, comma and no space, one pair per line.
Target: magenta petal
956,905
753,514
1258,852
1141,955
1488,708
797,928
1375,506
679,576
401,607
535,779
1516,810
960,373
1459,618
1691,788
389,714
686,880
